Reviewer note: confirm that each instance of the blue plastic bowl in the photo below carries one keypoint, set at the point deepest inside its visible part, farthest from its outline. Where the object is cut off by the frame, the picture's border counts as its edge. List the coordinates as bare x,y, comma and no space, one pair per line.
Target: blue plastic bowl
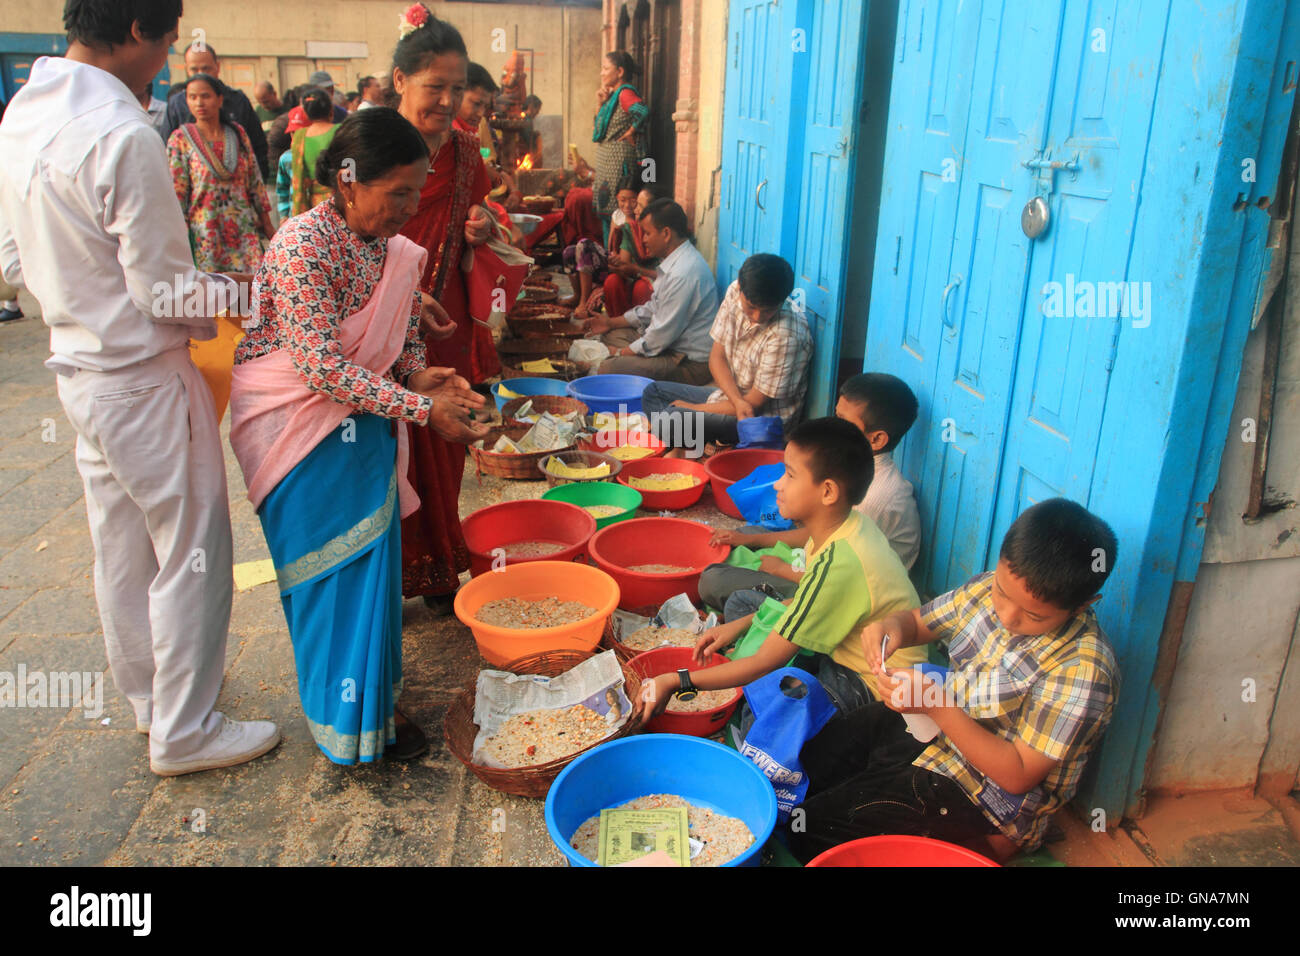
606,393
697,770
527,386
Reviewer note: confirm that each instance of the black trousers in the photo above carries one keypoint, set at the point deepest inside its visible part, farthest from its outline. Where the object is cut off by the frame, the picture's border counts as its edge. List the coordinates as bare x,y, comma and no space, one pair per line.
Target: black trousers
862,783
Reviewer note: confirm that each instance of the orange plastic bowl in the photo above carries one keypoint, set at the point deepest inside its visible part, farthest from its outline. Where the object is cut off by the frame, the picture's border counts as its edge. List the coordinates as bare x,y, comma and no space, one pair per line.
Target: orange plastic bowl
667,660
728,467
607,439
892,850
532,581
672,541
665,500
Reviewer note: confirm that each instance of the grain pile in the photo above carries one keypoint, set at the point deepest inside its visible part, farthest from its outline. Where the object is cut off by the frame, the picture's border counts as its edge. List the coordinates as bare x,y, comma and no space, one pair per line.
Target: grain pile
603,511
724,838
522,614
664,481
540,736
648,637
704,700
660,569
532,549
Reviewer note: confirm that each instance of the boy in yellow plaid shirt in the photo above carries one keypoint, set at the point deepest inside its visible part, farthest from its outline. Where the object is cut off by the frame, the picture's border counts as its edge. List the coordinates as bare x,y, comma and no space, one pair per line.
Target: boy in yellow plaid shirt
1032,685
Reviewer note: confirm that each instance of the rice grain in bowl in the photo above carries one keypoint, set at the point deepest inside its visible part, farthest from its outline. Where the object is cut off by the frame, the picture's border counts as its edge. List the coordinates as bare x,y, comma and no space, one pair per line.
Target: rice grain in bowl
671,542
700,772
534,581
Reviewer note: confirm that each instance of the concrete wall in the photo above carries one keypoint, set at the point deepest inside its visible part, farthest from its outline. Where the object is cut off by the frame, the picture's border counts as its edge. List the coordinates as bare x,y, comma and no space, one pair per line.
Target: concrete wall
1241,639
259,35
706,197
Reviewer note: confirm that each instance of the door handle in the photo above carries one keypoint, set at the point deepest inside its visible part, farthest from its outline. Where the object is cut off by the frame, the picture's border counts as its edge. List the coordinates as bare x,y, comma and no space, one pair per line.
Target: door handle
947,290
757,192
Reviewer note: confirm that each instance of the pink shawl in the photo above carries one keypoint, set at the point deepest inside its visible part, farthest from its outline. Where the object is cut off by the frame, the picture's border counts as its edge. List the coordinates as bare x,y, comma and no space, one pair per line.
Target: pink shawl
276,420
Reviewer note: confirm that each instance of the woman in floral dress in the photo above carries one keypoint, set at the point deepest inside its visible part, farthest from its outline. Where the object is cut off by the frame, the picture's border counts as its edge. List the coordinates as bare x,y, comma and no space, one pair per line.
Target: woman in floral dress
220,190
616,132
218,183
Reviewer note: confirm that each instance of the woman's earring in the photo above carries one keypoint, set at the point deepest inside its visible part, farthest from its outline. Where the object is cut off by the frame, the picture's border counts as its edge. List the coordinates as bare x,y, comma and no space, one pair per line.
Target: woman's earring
350,205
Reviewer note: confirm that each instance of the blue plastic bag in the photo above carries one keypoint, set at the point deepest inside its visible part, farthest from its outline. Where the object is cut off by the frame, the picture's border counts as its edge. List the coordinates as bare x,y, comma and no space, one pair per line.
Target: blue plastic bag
789,707
761,431
755,497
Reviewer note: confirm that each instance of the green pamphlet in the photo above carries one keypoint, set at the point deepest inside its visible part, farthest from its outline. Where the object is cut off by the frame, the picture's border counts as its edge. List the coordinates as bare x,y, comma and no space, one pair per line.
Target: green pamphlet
631,834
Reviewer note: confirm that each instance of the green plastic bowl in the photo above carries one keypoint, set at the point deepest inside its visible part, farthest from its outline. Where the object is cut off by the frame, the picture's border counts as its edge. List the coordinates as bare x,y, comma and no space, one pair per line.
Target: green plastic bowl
588,493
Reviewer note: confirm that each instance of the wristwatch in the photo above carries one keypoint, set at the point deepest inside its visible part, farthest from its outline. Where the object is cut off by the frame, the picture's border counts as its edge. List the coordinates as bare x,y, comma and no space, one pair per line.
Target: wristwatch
687,690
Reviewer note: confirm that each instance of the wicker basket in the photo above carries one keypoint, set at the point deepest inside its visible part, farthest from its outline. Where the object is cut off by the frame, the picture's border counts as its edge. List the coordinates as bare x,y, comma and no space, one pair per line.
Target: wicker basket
566,371
530,349
580,459
555,404
555,324
460,729
523,466
539,205
533,293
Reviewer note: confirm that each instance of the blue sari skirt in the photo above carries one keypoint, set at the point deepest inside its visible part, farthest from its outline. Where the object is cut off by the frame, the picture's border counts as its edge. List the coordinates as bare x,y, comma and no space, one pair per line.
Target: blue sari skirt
334,529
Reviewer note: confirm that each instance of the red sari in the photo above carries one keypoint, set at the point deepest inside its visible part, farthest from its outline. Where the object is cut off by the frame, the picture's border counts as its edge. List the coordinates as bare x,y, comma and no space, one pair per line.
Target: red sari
433,548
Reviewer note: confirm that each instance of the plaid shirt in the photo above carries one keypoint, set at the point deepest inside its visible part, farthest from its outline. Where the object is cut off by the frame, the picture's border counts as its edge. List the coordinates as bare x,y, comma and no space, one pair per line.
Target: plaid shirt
772,357
1054,692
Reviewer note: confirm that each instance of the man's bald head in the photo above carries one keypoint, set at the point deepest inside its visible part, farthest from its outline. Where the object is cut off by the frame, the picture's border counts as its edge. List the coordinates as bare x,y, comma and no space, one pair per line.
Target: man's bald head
201,58
266,96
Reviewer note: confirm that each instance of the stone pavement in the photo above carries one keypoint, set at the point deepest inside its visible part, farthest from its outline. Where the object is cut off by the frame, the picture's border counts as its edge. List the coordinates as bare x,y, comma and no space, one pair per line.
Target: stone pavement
77,789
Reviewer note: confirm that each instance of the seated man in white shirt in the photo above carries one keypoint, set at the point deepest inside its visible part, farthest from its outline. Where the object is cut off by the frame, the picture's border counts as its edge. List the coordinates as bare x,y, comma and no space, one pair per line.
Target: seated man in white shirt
883,408
667,338
84,225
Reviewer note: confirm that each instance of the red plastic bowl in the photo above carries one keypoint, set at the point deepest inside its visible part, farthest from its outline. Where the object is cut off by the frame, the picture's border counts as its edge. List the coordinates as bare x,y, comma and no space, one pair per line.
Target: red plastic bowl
893,850
607,439
666,660
728,467
665,500
672,541
533,520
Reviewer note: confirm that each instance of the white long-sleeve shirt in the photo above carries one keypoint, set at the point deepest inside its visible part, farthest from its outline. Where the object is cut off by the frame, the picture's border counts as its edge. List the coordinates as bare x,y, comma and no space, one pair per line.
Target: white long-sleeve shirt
679,315
89,222
891,504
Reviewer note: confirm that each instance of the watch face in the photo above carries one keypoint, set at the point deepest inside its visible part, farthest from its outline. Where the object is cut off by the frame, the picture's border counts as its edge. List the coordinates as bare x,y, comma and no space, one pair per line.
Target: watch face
687,694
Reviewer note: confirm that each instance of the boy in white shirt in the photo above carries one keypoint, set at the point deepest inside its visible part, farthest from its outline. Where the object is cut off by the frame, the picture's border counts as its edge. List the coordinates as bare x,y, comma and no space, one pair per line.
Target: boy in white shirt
883,408
89,224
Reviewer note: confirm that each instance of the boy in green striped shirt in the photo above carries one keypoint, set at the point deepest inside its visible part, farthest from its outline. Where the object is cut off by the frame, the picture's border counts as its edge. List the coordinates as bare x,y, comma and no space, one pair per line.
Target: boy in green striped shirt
854,577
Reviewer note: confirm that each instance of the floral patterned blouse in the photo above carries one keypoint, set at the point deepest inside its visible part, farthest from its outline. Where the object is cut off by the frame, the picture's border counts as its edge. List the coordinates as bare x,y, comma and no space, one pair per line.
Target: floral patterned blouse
222,197
316,273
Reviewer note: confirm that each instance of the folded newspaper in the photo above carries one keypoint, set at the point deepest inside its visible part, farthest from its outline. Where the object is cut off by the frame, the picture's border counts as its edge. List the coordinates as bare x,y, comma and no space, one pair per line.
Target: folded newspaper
551,433
500,695
677,612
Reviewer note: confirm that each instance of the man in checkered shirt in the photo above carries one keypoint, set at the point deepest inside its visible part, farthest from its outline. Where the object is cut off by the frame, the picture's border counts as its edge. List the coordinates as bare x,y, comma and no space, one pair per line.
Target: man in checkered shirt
1031,687
759,363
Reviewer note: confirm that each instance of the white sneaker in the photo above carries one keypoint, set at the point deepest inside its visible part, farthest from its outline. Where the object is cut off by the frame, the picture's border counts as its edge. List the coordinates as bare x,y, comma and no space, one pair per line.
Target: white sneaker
239,742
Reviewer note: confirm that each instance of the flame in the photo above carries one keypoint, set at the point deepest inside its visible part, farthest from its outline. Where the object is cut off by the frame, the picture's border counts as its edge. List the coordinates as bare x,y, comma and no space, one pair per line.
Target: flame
526,162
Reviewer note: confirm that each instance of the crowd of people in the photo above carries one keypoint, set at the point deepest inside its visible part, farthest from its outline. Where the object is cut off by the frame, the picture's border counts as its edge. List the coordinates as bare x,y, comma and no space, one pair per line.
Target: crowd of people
352,398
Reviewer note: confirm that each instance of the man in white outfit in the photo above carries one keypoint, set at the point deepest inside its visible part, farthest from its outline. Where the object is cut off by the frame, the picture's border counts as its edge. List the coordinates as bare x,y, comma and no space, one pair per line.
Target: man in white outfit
89,224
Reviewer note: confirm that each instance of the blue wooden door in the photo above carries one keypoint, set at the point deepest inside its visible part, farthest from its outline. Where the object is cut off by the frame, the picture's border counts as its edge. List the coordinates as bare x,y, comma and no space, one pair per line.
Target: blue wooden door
756,118
824,135
794,85
1015,397
1099,125
930,98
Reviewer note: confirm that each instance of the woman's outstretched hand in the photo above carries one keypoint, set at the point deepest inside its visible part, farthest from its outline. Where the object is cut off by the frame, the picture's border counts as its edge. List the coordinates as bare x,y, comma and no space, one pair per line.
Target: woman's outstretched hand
443,384
453,423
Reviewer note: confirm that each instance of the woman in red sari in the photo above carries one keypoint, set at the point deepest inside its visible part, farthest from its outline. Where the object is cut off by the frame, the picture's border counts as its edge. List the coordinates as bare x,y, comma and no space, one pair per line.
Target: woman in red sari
429,79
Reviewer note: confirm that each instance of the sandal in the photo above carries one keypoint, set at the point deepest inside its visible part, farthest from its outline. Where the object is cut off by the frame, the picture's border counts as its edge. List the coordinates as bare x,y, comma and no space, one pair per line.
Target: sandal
411,740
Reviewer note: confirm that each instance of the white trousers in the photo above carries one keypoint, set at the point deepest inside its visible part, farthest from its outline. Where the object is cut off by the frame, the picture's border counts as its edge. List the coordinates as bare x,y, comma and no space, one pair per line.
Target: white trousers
149,453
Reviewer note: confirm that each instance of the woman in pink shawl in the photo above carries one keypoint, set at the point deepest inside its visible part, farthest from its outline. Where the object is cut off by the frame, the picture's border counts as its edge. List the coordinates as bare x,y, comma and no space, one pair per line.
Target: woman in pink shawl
324,383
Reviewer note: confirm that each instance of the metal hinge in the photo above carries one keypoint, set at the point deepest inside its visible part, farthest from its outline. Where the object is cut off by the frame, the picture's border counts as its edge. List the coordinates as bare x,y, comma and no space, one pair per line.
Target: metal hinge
1114,343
